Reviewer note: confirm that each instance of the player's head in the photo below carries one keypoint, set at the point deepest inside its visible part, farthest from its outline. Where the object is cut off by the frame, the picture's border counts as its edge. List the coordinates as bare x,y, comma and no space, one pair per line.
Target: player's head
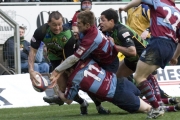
86,4
85,19
55,22
108,19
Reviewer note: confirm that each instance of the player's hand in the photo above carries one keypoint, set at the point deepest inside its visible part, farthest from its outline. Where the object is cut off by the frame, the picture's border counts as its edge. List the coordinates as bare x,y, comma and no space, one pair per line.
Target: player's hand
173,61
54,77
111,39
76,35
144,34
122,9
33,77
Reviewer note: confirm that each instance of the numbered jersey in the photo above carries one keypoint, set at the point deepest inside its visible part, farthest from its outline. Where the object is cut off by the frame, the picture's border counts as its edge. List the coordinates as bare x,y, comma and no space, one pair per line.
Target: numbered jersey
165,18
89,77
97,46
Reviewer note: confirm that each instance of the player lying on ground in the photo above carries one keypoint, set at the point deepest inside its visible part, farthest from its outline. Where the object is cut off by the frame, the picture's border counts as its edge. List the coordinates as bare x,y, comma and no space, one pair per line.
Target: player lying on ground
91,78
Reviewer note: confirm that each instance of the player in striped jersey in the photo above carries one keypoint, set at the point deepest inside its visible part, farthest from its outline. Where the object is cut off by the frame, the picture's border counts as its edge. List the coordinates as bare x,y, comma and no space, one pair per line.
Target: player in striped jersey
94,44
164,29
91,78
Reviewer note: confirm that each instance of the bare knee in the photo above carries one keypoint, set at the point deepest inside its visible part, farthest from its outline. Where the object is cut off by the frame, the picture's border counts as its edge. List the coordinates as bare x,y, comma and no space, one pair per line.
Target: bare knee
144,107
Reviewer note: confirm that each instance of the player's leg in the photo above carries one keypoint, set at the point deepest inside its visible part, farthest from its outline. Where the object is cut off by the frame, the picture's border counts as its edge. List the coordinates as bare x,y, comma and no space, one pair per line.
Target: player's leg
113,67
124,70
172,100
155,87
144,107
145,87
99,107
127,97
167,108
162,93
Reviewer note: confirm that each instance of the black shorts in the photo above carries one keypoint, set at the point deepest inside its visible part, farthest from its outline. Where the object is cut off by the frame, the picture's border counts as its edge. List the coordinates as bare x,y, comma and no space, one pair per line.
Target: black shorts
130,64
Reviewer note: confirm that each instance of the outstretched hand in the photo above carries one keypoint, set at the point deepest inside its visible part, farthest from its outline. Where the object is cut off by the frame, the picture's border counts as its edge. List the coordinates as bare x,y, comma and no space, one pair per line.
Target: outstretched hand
33,77
123,8
54,77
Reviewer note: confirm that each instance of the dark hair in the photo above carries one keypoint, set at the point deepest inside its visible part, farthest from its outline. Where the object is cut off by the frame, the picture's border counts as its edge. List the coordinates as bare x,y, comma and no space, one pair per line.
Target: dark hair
86,16
110,14
56,15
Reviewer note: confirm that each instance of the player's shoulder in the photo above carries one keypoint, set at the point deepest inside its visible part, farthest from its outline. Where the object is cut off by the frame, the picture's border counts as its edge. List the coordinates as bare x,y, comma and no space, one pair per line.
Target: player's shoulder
122,28
42,29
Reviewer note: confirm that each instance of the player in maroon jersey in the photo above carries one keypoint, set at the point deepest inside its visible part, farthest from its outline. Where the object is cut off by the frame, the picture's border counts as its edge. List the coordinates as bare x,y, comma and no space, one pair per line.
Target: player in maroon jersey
164,30
94,45
91,78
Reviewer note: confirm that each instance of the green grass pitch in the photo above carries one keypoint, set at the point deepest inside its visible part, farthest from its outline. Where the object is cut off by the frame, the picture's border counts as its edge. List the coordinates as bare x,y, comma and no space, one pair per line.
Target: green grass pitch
72,112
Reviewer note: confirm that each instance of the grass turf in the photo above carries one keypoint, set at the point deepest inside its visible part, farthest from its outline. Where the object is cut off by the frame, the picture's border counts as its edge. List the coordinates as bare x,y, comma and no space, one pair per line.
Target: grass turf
72,112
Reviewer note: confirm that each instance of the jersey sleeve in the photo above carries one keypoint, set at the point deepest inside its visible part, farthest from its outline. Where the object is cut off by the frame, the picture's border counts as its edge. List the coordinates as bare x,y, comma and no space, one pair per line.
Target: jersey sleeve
38,36
74,19
86,47
126,38
146,11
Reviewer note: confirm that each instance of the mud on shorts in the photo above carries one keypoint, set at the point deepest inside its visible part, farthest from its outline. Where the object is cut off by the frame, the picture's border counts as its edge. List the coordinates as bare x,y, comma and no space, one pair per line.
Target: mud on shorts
159,51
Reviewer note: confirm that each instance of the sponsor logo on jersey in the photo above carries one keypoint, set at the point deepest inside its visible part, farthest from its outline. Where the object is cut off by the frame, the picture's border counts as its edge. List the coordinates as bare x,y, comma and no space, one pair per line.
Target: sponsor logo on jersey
64,39
54,39
128,40
81,47
126,34
33,39
79,51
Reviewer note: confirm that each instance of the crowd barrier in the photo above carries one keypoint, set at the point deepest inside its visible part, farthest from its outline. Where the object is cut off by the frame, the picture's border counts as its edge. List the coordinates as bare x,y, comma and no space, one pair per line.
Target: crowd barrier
17,91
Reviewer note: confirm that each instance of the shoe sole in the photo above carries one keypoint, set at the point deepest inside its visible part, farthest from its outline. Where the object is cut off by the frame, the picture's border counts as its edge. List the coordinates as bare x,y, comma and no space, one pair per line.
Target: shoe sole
53,103
161,114
46,100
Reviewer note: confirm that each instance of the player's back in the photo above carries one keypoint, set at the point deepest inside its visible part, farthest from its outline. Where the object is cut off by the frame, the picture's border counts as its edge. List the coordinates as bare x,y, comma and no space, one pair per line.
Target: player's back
139,18
97,46
92,78
164,18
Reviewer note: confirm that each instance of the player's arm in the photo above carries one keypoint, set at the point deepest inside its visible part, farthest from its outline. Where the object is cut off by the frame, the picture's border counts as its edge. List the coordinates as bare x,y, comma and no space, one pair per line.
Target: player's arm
174,59
128,51
31,59
67,63
128,47
131,4
35,43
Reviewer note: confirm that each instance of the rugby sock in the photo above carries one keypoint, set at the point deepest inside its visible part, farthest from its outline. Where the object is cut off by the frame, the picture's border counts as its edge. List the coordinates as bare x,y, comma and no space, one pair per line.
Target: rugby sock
165,100
170,108
147,90
78,99
96,102
155,86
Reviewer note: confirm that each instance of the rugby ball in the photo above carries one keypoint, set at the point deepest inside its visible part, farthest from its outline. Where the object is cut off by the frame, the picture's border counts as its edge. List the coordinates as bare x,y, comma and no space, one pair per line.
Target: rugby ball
42,85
